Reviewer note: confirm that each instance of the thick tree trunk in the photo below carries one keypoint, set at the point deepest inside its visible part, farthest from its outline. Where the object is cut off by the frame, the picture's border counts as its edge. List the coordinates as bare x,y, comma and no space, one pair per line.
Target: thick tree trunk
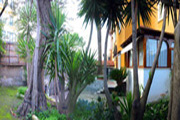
99,50
173,93
35,98
90,36
153,68
116,113
136,94
171,98
175,108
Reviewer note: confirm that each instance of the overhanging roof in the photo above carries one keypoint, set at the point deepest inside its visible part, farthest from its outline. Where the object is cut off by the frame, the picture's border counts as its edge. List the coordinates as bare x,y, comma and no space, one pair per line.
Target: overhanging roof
147,31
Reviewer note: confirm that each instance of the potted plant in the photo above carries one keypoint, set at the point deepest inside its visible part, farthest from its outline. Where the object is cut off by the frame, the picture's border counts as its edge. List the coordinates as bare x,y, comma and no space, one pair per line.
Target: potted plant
119,75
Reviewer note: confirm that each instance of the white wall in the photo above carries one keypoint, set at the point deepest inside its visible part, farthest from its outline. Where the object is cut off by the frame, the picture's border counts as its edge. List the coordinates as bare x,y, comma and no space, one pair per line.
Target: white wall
119,61
130,76
160,85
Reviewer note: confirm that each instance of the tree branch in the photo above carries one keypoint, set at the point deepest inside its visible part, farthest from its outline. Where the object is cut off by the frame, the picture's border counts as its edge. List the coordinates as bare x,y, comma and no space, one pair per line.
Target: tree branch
152,71
4,7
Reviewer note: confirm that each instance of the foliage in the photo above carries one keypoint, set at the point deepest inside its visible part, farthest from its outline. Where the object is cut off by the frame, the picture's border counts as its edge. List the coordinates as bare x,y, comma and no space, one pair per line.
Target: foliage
2,44
91,10
51,114
64,58
126,106
26,26
92,111
145,10
21,45
154,111
22,90
102,112
119,75
83,109
157,110
113,11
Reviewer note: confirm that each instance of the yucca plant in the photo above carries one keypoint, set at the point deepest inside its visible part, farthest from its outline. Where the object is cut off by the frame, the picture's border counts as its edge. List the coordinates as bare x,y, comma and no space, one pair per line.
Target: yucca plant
26,24
2,43
126,106
119,75
65,62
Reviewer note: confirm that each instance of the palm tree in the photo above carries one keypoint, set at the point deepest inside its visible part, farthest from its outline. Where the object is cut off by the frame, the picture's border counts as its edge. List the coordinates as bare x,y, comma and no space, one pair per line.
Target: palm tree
112,14
91,10
99,49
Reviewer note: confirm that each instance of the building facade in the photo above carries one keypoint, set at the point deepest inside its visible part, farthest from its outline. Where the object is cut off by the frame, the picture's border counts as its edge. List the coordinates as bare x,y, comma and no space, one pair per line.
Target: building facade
147,42
11,66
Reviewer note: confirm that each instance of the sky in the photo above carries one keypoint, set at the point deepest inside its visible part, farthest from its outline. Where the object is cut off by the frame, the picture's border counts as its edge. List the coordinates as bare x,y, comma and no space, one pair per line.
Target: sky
75,24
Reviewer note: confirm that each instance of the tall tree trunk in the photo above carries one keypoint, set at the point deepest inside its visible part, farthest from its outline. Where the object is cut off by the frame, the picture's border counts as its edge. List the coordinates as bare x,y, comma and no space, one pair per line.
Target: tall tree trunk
174,106
99,50
35,98
153,68
116,113
136,94
171,83
90,36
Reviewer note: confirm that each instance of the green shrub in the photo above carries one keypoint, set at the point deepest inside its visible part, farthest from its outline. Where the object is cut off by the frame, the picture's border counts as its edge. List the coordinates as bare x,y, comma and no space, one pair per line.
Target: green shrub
126,106
92,111
154,111
101,111
157,110
82,110
50,114
22,90
119,75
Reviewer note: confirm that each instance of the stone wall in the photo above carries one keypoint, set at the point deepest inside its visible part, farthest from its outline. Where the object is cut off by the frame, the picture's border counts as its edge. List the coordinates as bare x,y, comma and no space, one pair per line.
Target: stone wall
11,67
11,75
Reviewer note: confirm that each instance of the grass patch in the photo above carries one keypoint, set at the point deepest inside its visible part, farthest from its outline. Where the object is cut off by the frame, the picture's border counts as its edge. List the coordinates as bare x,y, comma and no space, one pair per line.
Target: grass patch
8,100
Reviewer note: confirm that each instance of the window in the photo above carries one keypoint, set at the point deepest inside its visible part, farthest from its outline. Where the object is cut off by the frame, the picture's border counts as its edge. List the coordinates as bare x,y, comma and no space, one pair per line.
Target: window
160,11
172,45
162,61
140,52
130,58
151,48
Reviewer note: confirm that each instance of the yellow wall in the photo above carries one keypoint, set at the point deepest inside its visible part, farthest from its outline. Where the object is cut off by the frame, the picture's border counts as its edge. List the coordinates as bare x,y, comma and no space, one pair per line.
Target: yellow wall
126,32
